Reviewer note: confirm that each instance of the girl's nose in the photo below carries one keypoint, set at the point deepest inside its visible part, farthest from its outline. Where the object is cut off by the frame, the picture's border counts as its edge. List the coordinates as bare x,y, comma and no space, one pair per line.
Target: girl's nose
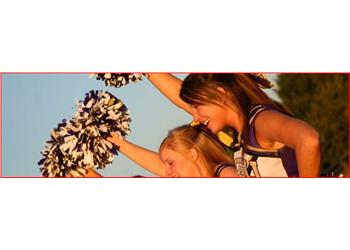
169,171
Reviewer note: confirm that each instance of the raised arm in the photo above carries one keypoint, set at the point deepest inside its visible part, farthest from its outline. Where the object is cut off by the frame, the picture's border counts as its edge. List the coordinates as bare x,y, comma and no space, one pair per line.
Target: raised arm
170,87
145,158
294,133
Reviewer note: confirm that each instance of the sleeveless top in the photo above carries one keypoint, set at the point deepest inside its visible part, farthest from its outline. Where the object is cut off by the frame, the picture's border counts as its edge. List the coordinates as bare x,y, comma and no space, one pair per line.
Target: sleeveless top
259,162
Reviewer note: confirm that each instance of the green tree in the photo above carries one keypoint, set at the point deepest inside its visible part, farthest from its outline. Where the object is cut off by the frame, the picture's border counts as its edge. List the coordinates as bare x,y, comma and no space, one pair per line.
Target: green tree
322,101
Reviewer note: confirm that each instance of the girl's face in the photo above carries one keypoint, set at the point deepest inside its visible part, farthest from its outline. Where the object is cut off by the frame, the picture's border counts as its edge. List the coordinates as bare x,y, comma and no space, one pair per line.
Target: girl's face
215,117
178,165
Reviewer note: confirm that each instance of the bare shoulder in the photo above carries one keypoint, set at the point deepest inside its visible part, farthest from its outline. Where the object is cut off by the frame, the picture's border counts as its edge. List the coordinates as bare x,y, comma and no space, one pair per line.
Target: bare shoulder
275,120
271,116
228,172
273,128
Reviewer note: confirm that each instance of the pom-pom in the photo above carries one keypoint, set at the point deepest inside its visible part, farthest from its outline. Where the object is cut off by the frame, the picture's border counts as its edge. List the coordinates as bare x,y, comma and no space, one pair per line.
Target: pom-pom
80,144
117,79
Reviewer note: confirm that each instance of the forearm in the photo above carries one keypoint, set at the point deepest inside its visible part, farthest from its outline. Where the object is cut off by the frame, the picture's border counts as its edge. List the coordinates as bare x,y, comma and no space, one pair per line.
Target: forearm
170,87
308,155
143,157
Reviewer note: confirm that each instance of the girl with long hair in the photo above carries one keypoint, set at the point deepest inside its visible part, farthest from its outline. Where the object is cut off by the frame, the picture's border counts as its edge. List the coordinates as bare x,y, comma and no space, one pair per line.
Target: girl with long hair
270,142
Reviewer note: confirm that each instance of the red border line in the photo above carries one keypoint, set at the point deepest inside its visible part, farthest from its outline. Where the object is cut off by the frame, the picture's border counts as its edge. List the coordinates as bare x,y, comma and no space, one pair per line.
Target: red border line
348,175
221,72
131,177
1,126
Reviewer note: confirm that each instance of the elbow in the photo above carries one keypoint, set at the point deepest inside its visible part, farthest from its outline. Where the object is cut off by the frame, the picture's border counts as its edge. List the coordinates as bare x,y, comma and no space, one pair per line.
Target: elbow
309,155
311,140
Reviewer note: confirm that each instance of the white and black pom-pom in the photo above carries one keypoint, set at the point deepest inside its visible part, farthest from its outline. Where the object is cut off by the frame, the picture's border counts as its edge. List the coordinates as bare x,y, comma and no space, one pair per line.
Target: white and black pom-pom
58,159
80,144
117,79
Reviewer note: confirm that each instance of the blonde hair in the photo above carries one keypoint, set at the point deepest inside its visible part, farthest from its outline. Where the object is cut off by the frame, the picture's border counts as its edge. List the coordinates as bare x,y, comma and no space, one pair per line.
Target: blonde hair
210,153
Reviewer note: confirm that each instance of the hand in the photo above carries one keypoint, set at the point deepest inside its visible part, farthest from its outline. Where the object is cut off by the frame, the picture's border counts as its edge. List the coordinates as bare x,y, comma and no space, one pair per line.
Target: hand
115,139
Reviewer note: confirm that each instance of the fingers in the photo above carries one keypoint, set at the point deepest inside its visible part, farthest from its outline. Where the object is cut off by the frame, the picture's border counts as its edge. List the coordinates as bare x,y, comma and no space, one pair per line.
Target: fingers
112,137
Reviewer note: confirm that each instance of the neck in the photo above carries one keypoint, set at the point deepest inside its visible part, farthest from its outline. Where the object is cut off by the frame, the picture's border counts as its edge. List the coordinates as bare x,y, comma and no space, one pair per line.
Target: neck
235,121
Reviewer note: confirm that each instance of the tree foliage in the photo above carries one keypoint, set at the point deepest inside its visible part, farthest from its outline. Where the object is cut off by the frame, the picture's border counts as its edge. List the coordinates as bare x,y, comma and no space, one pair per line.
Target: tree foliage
322,101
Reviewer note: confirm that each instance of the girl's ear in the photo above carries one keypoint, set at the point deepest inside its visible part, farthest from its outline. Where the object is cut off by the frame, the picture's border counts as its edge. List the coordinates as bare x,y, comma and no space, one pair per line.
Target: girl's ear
193,154
222,90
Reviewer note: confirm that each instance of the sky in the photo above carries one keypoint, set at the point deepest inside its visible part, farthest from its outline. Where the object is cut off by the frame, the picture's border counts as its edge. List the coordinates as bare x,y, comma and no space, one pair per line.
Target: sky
33,104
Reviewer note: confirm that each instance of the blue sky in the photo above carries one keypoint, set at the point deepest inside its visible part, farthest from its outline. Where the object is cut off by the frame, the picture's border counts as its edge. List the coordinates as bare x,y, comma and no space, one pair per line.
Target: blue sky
33,104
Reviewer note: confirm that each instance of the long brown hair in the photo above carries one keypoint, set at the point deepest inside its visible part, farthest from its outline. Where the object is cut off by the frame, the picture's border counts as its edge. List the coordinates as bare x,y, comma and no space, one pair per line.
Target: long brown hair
243,91
210,152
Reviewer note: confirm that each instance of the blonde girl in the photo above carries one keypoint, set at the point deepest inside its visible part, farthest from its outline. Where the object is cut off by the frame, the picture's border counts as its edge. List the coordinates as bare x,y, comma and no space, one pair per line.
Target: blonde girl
186,152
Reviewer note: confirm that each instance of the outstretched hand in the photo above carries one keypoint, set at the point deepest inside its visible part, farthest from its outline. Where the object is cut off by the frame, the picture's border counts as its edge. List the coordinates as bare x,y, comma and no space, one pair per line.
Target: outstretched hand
115,139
